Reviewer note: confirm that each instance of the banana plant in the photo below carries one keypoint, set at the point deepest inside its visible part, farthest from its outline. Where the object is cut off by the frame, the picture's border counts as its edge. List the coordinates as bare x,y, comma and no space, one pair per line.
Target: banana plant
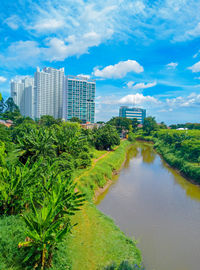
49,221
15,185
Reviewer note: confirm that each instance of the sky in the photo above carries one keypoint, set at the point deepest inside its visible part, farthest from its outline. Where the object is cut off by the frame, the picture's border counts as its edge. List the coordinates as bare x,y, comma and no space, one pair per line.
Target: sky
144,54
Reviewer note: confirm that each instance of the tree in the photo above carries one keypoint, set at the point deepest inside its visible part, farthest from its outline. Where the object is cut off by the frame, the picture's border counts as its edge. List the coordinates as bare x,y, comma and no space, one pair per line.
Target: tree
120,123
75,119
47,120
162,125
135,123
10,105
37,143
49,221
149,125
106,137
2,105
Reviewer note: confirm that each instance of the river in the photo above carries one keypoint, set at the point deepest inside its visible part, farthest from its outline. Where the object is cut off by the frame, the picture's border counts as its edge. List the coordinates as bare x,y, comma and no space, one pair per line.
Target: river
157,206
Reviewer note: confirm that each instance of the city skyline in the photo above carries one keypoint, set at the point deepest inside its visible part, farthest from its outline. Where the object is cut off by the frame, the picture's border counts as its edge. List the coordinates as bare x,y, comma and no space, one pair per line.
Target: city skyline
51,92
141,53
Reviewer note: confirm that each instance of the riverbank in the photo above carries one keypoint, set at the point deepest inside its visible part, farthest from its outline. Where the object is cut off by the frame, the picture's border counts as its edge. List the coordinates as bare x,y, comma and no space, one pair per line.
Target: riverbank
96,241
189,170
154,203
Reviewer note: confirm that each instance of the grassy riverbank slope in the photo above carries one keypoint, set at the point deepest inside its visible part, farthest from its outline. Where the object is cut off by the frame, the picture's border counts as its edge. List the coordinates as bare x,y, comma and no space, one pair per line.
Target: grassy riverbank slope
180,149
95,242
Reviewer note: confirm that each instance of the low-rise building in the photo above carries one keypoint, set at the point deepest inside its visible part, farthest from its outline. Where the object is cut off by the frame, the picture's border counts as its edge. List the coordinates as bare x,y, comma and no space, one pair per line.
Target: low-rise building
132,113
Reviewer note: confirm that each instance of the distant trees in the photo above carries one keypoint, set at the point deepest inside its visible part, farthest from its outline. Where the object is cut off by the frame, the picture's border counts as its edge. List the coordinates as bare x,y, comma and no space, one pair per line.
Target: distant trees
106,137
48,120
75,119
186,125
9,110
120,123
135,124
149,125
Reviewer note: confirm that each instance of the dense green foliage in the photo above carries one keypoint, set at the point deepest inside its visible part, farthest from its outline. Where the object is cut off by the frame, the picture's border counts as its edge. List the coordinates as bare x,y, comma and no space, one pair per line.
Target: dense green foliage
35,180
97,176
120,123
38,162
75,119
180,148
106,137
149,125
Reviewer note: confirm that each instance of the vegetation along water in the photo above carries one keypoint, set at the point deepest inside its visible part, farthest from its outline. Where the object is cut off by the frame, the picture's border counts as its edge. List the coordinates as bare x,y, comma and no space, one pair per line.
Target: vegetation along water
155,204
51,172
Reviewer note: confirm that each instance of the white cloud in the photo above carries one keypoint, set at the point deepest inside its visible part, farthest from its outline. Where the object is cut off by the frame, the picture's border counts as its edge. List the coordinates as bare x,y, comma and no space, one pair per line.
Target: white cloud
130,84
21,53
74,26
138,86
193,100
195,67
13,22
119,70
84,76
48,25
58,49
137,99
172,65
2,79
194,32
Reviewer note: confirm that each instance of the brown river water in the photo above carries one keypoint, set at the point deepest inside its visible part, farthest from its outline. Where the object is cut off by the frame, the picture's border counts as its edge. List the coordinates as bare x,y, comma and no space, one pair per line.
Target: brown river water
159,208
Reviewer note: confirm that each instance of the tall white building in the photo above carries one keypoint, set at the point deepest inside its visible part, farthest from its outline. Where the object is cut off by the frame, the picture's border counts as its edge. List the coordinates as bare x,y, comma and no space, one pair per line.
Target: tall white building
48,87
22,92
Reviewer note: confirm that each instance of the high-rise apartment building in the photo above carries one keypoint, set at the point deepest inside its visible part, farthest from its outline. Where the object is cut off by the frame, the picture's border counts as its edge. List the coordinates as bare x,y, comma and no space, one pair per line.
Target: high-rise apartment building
131,113
48,85
22,92
79,98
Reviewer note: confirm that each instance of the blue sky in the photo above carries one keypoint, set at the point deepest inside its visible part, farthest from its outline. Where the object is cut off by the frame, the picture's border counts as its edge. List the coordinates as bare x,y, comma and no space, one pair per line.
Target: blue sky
141,53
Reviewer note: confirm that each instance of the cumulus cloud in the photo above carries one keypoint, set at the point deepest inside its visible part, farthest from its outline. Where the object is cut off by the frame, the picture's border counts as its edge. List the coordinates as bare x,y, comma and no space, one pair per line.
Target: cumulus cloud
192,100
67,28
138,86
2,79
172,65
119,70
195,68
137,99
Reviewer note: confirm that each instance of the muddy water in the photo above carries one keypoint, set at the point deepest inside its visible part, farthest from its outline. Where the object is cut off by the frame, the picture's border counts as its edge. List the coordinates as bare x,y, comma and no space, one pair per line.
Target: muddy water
157,206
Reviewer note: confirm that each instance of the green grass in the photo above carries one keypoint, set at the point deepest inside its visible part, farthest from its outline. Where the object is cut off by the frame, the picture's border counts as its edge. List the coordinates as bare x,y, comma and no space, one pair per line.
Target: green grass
12,231
97,242
95,177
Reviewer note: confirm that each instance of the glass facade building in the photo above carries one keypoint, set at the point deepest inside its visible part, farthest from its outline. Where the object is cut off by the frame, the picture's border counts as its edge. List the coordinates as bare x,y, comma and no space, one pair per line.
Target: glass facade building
79,98
131,113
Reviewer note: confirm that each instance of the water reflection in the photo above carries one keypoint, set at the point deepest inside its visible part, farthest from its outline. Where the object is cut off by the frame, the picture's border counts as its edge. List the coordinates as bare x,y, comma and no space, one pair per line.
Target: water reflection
147,154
